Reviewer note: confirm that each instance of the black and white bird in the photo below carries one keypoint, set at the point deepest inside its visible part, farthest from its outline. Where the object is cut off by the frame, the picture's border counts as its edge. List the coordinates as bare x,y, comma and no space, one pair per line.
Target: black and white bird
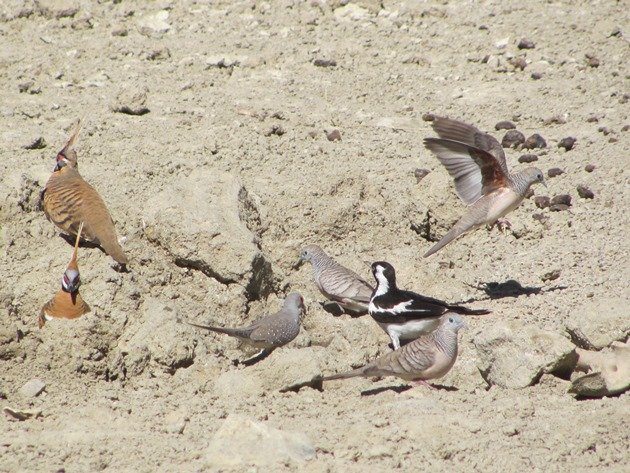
405,315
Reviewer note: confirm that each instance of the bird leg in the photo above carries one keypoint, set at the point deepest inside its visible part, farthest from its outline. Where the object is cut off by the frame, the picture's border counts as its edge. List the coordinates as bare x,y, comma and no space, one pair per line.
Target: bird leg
422,382
261,355
503,224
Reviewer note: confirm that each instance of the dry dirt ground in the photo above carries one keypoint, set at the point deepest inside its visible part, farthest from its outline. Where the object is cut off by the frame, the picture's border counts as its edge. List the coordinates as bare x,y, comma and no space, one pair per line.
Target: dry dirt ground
240,98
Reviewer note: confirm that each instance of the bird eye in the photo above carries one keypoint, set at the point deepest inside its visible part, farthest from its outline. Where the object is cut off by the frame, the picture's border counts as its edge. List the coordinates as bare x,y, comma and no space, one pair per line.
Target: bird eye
451,320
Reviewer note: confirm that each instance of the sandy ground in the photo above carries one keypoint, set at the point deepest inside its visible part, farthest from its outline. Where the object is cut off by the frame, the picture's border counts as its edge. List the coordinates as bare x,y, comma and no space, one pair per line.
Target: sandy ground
232,87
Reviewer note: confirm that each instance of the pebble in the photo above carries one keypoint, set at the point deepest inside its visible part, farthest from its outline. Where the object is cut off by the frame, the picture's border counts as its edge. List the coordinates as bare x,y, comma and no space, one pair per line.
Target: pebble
526,44
32,388
324,62
535,141
592,119
542,201
428,117
567,143
536,75
554,172
563,199
605,130
589,167
120,31
528,158
275,130
504,125
333,135
551,275
592,61
420,174
585,192
512,139
518,63
37,143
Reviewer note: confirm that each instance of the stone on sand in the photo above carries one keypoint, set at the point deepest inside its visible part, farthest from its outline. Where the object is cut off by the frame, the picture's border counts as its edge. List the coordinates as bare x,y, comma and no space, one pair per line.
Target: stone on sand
514,355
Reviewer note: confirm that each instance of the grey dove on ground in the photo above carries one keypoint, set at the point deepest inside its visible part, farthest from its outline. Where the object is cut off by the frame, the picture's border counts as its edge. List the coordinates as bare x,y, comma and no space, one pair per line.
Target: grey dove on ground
269,332
476,161
430,356
345,288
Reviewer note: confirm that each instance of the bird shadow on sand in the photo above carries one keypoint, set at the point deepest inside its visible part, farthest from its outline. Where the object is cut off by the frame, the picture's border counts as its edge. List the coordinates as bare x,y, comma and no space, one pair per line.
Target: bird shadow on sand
509,288
406,387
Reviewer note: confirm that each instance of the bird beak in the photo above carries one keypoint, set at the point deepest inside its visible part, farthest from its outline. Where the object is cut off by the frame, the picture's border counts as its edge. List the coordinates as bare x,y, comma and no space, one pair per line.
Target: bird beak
544,184
298,263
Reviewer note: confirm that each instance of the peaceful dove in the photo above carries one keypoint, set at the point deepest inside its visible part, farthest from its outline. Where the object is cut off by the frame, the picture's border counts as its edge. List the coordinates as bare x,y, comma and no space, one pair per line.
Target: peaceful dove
337,283
67,302
476,161
68,200
269,332
430,356
404,314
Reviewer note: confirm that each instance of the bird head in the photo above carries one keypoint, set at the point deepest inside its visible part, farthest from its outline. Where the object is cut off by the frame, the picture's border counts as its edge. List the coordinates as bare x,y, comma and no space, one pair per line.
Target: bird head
68,156
295,299
453,321
307,254
384,273
71,280
534,176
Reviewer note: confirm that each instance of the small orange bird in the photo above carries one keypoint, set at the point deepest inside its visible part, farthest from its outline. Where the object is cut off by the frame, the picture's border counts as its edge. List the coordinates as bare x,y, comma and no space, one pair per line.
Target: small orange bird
67,303
68,200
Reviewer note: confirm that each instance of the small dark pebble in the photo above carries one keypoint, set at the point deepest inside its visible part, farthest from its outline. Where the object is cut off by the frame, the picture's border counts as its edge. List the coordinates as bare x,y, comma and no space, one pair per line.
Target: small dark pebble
592,119
127,110
589,167
542,218
558,207
428,117
616,31
526,44
567,143
529,194
333,135
519,63
504,125
542,201
512,139
562,199
535,141
38,143
592,61
605,130
625,128
555,120
528,158
420,174
585,192
551,275
554,172
275,130
324,62
536,75
483,27
612,139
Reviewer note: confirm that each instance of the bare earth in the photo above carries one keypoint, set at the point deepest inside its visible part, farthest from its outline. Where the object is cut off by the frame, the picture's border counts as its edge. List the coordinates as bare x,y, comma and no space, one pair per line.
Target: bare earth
233,93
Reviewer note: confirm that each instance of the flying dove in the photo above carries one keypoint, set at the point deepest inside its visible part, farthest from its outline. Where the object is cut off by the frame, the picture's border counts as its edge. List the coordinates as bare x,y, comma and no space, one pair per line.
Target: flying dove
476,161
270,332
405,314
430,356
337,283
68,200
67,302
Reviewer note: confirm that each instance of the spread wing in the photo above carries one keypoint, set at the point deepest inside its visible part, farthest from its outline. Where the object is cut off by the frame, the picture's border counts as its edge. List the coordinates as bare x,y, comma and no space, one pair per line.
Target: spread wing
409,306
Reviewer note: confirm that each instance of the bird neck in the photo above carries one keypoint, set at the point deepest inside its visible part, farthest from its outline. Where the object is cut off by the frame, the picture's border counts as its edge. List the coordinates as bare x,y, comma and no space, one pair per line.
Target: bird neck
321,261
446,341
383,286
521,182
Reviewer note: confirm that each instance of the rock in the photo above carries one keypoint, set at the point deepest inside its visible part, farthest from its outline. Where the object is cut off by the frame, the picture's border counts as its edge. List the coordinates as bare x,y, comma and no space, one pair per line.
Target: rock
32,388
526,44
512,139
518,63
610,372
55,9
333,135
241,442
275,129
542,201
551,275
554,172
589,167
567,143
535,141
558,207
420,174
13,9
207,221
598,322
37,143
536,75
528,158
605,130
324,62
119,31
287,367
592,61
158,342
563,199
504,125
154,25
428,117
131,101
515,354
585,192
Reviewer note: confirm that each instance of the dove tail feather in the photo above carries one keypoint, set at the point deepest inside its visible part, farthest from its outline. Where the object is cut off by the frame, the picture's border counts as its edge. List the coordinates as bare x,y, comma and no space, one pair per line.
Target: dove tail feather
234,332
345,375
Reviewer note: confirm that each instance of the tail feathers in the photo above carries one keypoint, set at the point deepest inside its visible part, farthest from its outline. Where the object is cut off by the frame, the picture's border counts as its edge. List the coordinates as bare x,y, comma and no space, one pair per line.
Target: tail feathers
459,229
116,252
348,374
466,311
234,332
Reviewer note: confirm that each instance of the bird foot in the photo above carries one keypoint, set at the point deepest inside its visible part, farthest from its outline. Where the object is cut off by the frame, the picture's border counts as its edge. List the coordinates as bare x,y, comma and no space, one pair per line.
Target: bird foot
422,382
503,224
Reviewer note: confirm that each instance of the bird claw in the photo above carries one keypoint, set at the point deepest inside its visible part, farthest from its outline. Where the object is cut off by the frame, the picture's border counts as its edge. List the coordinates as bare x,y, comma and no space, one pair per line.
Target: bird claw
503,224
422,382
